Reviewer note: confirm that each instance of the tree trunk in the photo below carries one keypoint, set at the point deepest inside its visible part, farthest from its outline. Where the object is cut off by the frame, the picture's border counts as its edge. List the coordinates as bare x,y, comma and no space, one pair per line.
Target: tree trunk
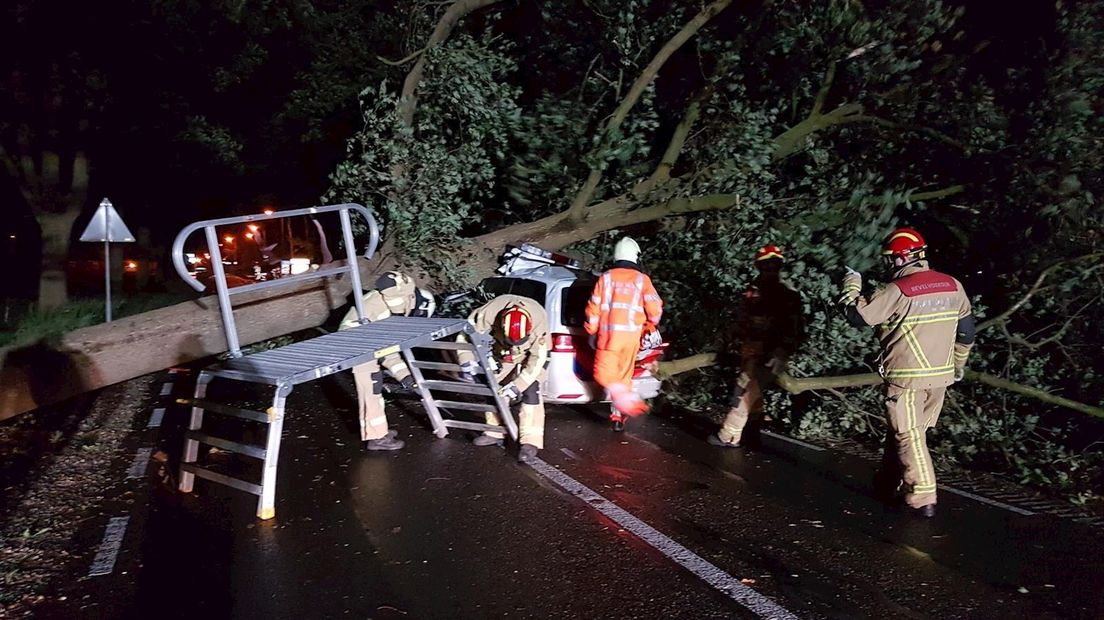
797,385
94,357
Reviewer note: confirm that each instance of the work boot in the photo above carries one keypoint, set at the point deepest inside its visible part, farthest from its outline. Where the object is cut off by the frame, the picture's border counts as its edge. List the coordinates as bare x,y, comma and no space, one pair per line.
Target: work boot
927,511
486,440
528,452
617,421
714,439
387,442
407,383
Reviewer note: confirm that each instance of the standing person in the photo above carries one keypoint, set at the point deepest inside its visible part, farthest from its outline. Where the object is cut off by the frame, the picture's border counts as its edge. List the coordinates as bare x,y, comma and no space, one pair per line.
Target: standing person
623,301
394,295
926,329
519,327
770,328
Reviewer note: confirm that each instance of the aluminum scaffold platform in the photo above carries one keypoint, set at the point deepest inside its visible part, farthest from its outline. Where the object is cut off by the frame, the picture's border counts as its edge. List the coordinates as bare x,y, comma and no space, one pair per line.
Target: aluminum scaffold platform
419,340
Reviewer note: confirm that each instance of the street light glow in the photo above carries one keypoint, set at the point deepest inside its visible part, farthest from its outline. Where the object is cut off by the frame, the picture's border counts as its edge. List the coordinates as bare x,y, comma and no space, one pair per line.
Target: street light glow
228,238
249,235
268,211
254,227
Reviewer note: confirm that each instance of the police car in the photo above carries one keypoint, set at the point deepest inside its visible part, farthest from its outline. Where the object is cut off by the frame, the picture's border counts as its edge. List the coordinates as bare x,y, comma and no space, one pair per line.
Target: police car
563,288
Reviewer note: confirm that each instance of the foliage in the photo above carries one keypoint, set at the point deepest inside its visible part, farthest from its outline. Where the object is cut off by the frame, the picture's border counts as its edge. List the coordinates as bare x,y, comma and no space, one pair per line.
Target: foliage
832,121
49,325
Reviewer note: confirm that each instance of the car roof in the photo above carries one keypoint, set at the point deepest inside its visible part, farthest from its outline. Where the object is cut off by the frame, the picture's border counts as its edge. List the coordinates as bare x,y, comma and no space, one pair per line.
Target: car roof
550,274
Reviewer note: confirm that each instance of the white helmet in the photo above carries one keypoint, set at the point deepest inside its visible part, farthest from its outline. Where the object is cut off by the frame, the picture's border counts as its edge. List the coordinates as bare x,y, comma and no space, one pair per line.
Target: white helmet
626,249
426,305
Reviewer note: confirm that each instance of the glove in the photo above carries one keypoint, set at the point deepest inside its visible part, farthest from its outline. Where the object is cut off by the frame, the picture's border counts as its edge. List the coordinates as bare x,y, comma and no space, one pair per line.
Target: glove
510,392
959,374
851,287
468,370
777,362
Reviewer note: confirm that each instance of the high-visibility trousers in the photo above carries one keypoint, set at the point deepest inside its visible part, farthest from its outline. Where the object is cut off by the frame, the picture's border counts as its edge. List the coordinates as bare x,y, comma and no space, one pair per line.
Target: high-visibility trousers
616,362
530,418
749,403
369,387
909,414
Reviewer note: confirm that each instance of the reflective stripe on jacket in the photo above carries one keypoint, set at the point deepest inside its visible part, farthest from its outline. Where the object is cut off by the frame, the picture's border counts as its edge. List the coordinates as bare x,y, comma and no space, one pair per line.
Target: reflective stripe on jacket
917,316
622,301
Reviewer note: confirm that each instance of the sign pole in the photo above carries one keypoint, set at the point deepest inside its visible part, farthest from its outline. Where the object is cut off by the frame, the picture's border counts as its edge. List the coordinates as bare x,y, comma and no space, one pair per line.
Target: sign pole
107,267
107,228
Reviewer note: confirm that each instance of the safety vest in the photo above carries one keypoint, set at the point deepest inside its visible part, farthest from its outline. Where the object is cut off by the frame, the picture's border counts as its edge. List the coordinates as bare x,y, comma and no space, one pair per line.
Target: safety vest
623,300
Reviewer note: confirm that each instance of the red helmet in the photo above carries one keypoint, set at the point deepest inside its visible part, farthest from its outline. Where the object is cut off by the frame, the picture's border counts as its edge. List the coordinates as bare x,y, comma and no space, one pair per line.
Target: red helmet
903,246
768,252
513,326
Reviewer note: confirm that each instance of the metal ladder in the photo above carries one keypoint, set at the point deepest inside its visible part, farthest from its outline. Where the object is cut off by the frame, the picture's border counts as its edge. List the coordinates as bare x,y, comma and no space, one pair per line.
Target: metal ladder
309,360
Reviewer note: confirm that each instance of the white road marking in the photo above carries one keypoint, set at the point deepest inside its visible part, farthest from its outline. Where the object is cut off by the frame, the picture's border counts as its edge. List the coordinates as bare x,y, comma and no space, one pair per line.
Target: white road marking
139,464
166,389
104,562
986,500
570,454
757,603
793,441
156,417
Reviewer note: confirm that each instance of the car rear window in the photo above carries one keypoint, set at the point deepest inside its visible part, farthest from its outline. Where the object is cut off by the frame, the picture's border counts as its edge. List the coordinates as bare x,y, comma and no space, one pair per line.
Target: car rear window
573,303
493,287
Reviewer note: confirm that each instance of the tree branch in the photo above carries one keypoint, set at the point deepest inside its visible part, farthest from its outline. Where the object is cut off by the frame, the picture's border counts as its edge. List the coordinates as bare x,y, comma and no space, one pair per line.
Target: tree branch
457,11
403,61
586,192
822,94
662,173
795,385
1035,289
928,131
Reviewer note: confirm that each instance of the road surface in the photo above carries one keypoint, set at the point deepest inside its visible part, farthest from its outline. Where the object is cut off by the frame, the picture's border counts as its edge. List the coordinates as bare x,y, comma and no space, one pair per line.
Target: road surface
650,523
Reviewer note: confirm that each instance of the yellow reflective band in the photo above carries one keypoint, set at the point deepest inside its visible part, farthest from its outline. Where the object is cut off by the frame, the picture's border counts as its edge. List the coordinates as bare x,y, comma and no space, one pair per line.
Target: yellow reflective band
918,373
387,351
961,356
927,320
906,235
917,350
769,255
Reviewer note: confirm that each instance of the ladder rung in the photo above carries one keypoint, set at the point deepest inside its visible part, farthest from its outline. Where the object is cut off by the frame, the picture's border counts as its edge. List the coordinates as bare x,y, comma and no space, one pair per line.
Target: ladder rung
452,404
256,452
214,476
445,345
440,366
237,412
474,426
456,386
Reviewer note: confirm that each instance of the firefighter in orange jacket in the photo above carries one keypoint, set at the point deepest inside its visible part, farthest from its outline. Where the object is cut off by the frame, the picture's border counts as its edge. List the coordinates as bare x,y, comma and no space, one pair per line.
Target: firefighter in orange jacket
623,301
770,329
926,328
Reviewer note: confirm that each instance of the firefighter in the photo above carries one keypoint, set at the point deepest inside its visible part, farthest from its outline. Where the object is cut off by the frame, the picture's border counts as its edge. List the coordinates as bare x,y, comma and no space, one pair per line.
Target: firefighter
394,295
926,329
623,301
770,328
519,328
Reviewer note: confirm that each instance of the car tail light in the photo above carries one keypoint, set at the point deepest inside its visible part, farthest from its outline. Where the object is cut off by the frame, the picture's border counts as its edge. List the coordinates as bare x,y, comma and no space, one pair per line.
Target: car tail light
563,343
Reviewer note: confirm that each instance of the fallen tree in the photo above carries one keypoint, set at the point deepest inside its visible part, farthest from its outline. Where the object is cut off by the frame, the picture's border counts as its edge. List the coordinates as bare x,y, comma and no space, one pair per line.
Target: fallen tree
43,373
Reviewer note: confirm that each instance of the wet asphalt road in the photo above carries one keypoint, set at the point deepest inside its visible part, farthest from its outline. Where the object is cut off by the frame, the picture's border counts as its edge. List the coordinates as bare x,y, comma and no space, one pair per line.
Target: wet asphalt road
442,529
